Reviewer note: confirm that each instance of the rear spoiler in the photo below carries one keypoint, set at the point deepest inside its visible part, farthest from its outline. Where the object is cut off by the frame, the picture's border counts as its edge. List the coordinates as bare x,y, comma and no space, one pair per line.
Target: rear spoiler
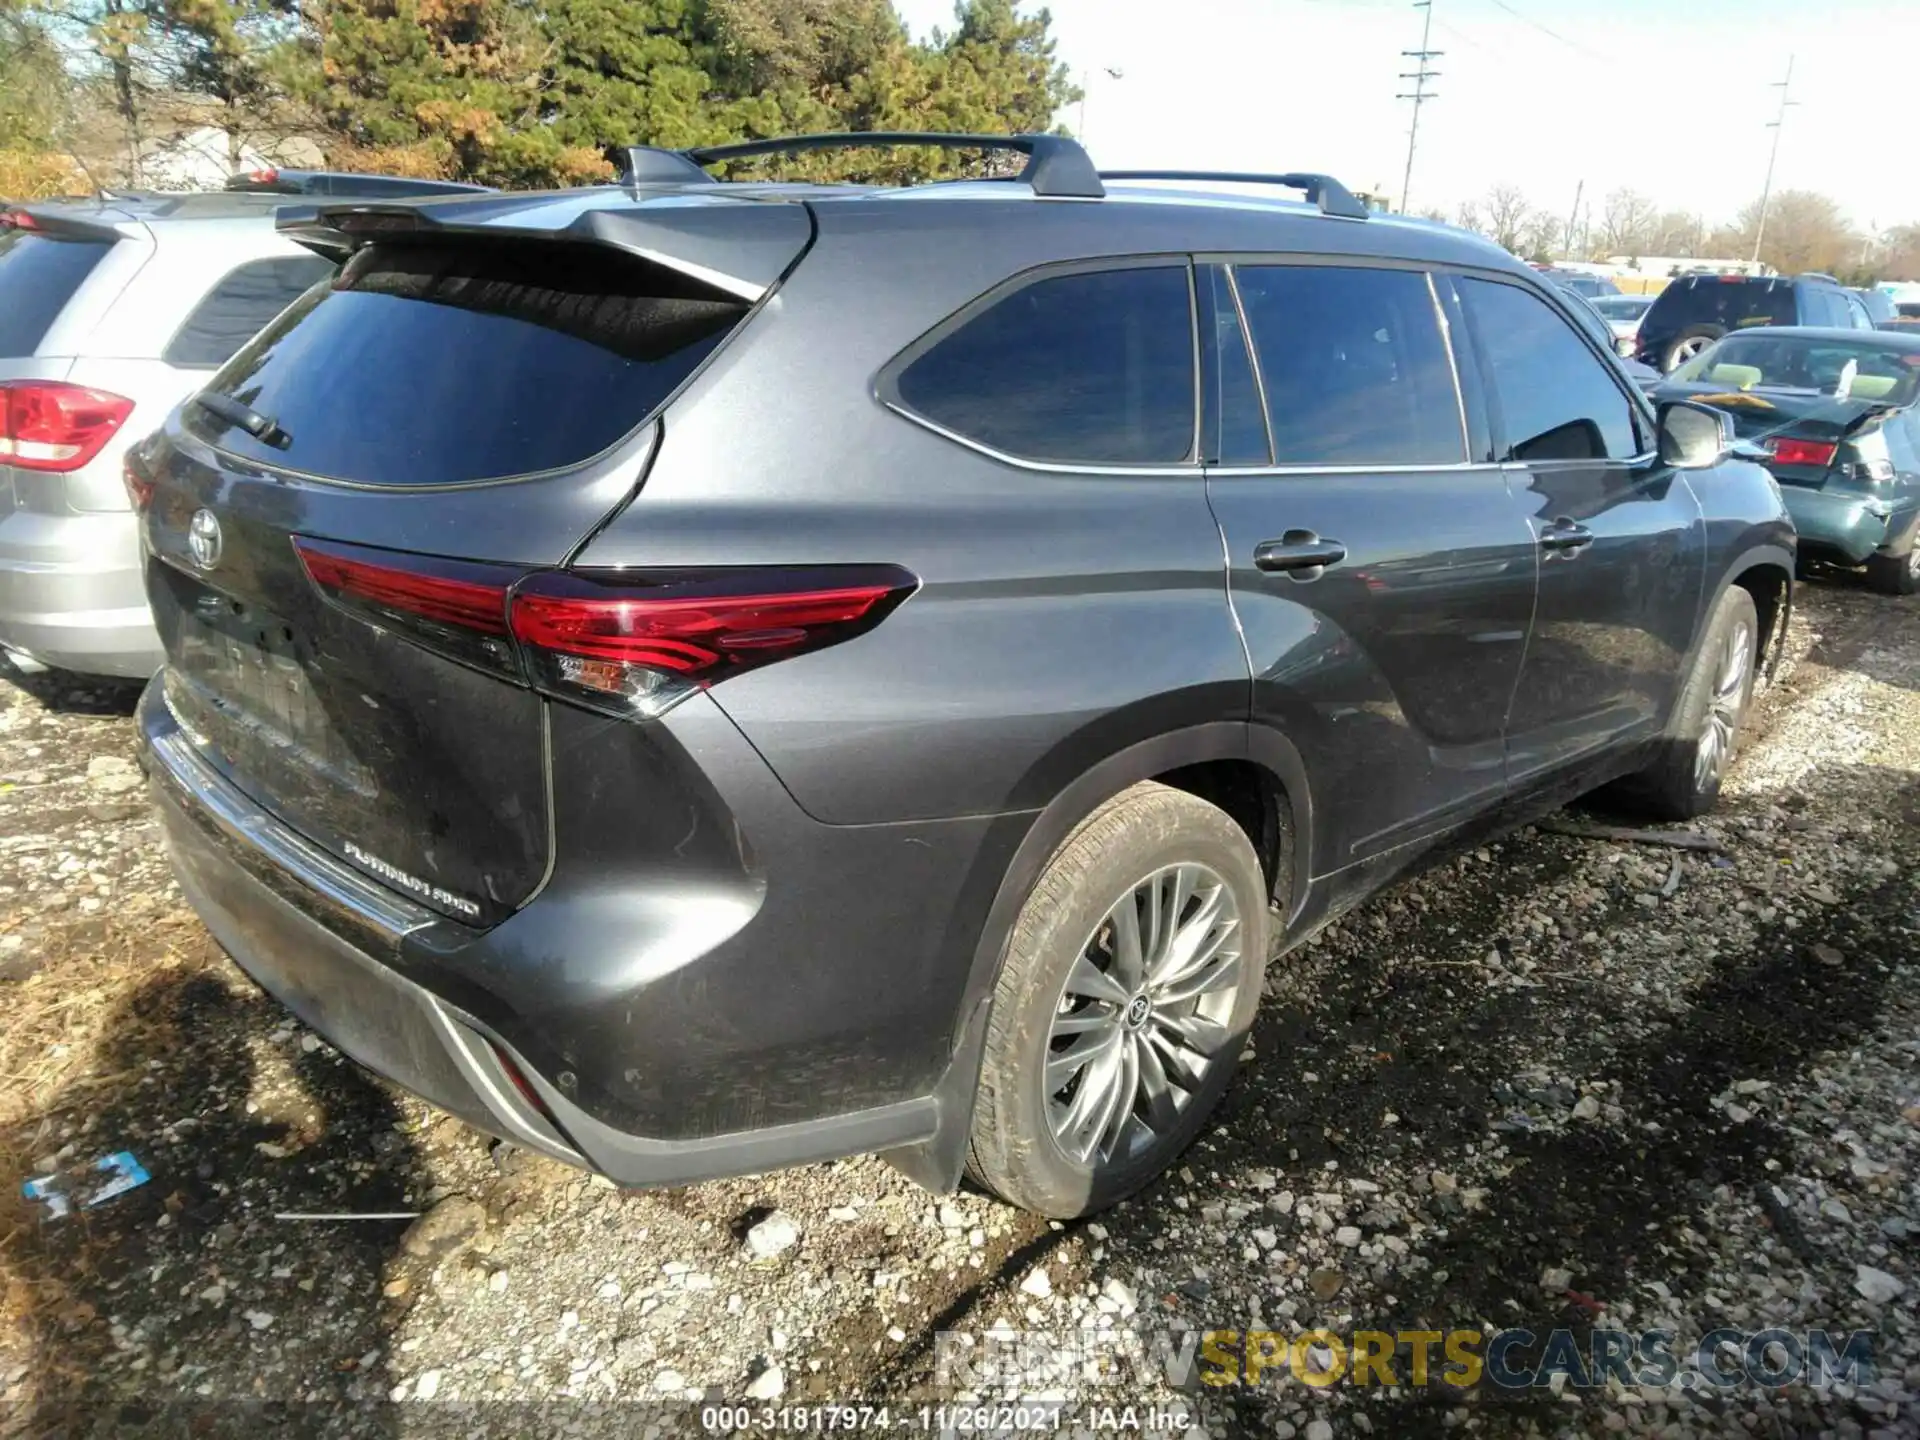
57,224
739,251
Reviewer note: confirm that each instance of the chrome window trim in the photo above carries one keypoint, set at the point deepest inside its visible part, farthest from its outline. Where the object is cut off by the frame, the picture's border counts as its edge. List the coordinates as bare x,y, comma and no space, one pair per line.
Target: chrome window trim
1045,467
1447,468
1253,355
1453,366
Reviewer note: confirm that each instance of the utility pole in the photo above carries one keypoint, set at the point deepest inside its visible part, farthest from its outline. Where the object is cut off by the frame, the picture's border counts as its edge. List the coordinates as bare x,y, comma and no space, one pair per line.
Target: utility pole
1573,216
1785,87
1420,75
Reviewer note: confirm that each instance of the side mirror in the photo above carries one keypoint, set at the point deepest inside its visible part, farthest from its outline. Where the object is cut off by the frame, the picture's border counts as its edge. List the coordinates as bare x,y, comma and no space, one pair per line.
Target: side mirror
1694,437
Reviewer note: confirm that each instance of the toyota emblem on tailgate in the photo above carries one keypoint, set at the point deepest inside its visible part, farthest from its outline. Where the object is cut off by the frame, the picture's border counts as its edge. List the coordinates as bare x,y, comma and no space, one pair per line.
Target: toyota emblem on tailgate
203,539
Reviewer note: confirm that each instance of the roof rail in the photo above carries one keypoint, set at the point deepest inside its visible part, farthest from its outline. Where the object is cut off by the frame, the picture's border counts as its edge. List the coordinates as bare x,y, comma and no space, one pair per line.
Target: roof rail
1056,166
1816,275
1329,194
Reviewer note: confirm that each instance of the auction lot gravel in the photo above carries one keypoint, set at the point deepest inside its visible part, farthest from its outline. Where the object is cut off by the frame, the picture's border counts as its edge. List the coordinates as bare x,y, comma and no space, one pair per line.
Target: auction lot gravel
1555,1082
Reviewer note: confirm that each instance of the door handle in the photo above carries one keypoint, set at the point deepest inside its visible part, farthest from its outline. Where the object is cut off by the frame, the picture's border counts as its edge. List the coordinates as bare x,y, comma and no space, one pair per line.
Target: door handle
1565,537
1300,553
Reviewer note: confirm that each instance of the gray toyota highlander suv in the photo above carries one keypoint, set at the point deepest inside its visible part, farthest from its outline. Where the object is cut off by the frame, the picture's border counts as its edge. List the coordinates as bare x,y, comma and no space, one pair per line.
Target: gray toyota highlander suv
700,676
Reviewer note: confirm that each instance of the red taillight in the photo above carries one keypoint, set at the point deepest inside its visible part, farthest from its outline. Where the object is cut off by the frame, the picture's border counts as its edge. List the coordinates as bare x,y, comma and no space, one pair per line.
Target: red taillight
457,609
630,642
1817,453
18,220
639,644
475,605
264,177
51,425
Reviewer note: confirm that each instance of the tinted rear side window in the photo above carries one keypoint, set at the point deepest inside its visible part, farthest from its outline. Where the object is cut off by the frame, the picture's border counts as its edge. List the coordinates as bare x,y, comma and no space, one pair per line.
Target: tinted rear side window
38,275
1354,364
1093,367
440,364
236,309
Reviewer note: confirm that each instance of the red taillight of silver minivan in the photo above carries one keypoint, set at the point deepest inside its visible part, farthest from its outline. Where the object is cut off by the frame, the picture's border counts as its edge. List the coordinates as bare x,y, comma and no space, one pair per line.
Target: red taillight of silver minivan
51,425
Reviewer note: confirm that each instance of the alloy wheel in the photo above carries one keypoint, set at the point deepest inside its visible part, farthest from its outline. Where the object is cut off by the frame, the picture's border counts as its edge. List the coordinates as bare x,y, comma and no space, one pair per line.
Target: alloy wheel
1142,1021
1687,349
1724,706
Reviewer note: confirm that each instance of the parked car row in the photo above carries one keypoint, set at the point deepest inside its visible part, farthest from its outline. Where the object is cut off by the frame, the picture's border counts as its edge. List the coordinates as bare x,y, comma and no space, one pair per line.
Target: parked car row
696,687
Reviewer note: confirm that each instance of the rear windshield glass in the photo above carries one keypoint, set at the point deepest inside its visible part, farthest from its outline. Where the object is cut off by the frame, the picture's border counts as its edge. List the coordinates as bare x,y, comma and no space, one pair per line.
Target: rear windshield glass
440,364
38,275
1729,304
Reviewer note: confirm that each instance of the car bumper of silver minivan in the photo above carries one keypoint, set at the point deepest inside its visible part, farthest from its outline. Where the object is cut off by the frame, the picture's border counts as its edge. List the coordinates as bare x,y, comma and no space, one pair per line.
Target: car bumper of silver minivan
72,594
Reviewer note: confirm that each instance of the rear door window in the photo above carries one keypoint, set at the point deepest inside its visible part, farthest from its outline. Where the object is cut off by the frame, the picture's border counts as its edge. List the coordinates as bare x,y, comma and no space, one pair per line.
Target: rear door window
438,364
1091,367
240,306
1354,365
39,274
1557,400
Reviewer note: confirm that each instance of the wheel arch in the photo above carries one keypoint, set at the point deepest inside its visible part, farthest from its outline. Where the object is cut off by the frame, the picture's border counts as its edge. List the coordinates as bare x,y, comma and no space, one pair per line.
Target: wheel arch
1766,573
1217,761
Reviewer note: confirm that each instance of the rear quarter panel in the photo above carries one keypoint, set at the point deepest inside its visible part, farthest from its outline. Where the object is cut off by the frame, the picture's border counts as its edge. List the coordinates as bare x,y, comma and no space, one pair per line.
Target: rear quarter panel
1060,616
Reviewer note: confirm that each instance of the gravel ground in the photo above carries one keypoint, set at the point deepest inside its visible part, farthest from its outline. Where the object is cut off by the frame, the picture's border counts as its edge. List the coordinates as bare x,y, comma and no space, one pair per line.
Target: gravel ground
1553,1082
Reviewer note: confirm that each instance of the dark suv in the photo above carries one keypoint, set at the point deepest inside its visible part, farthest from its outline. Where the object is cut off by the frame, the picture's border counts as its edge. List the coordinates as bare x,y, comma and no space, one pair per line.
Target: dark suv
1696,310
695,677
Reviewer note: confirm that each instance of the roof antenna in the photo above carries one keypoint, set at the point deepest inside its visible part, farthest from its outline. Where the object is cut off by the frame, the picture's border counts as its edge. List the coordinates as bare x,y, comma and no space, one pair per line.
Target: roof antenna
99,191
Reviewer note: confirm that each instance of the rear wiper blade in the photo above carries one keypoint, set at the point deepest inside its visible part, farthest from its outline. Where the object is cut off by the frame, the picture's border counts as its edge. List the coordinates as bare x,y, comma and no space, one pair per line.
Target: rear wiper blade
263,428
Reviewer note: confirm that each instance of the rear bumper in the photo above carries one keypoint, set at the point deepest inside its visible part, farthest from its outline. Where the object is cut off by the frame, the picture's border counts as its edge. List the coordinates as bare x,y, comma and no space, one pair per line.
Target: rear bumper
345,954
1851,526
72,594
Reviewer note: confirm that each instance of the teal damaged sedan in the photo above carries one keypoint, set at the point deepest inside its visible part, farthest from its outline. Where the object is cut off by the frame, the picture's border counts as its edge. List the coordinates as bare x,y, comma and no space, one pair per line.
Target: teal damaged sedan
1832,413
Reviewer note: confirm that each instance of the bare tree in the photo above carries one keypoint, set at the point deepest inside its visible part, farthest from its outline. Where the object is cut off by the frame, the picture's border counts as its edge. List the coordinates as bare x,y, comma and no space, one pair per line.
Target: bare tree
1507,213
1677,232
1626,223
1542,236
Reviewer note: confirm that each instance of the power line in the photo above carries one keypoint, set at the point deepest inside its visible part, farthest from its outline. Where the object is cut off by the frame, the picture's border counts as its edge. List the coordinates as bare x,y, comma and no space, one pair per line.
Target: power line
1420,75
1785,87
1553,34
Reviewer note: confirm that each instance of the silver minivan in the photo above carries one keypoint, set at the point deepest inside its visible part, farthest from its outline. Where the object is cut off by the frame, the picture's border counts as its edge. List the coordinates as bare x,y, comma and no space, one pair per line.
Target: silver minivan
112,311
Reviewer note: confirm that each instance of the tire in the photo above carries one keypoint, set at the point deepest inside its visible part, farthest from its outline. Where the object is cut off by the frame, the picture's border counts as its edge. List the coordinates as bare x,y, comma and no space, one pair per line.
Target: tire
1704,733
1896,574
1687,344
1042,1139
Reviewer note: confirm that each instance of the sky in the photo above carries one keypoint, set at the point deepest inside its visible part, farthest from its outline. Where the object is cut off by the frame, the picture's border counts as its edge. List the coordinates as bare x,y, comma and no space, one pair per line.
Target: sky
1669,97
